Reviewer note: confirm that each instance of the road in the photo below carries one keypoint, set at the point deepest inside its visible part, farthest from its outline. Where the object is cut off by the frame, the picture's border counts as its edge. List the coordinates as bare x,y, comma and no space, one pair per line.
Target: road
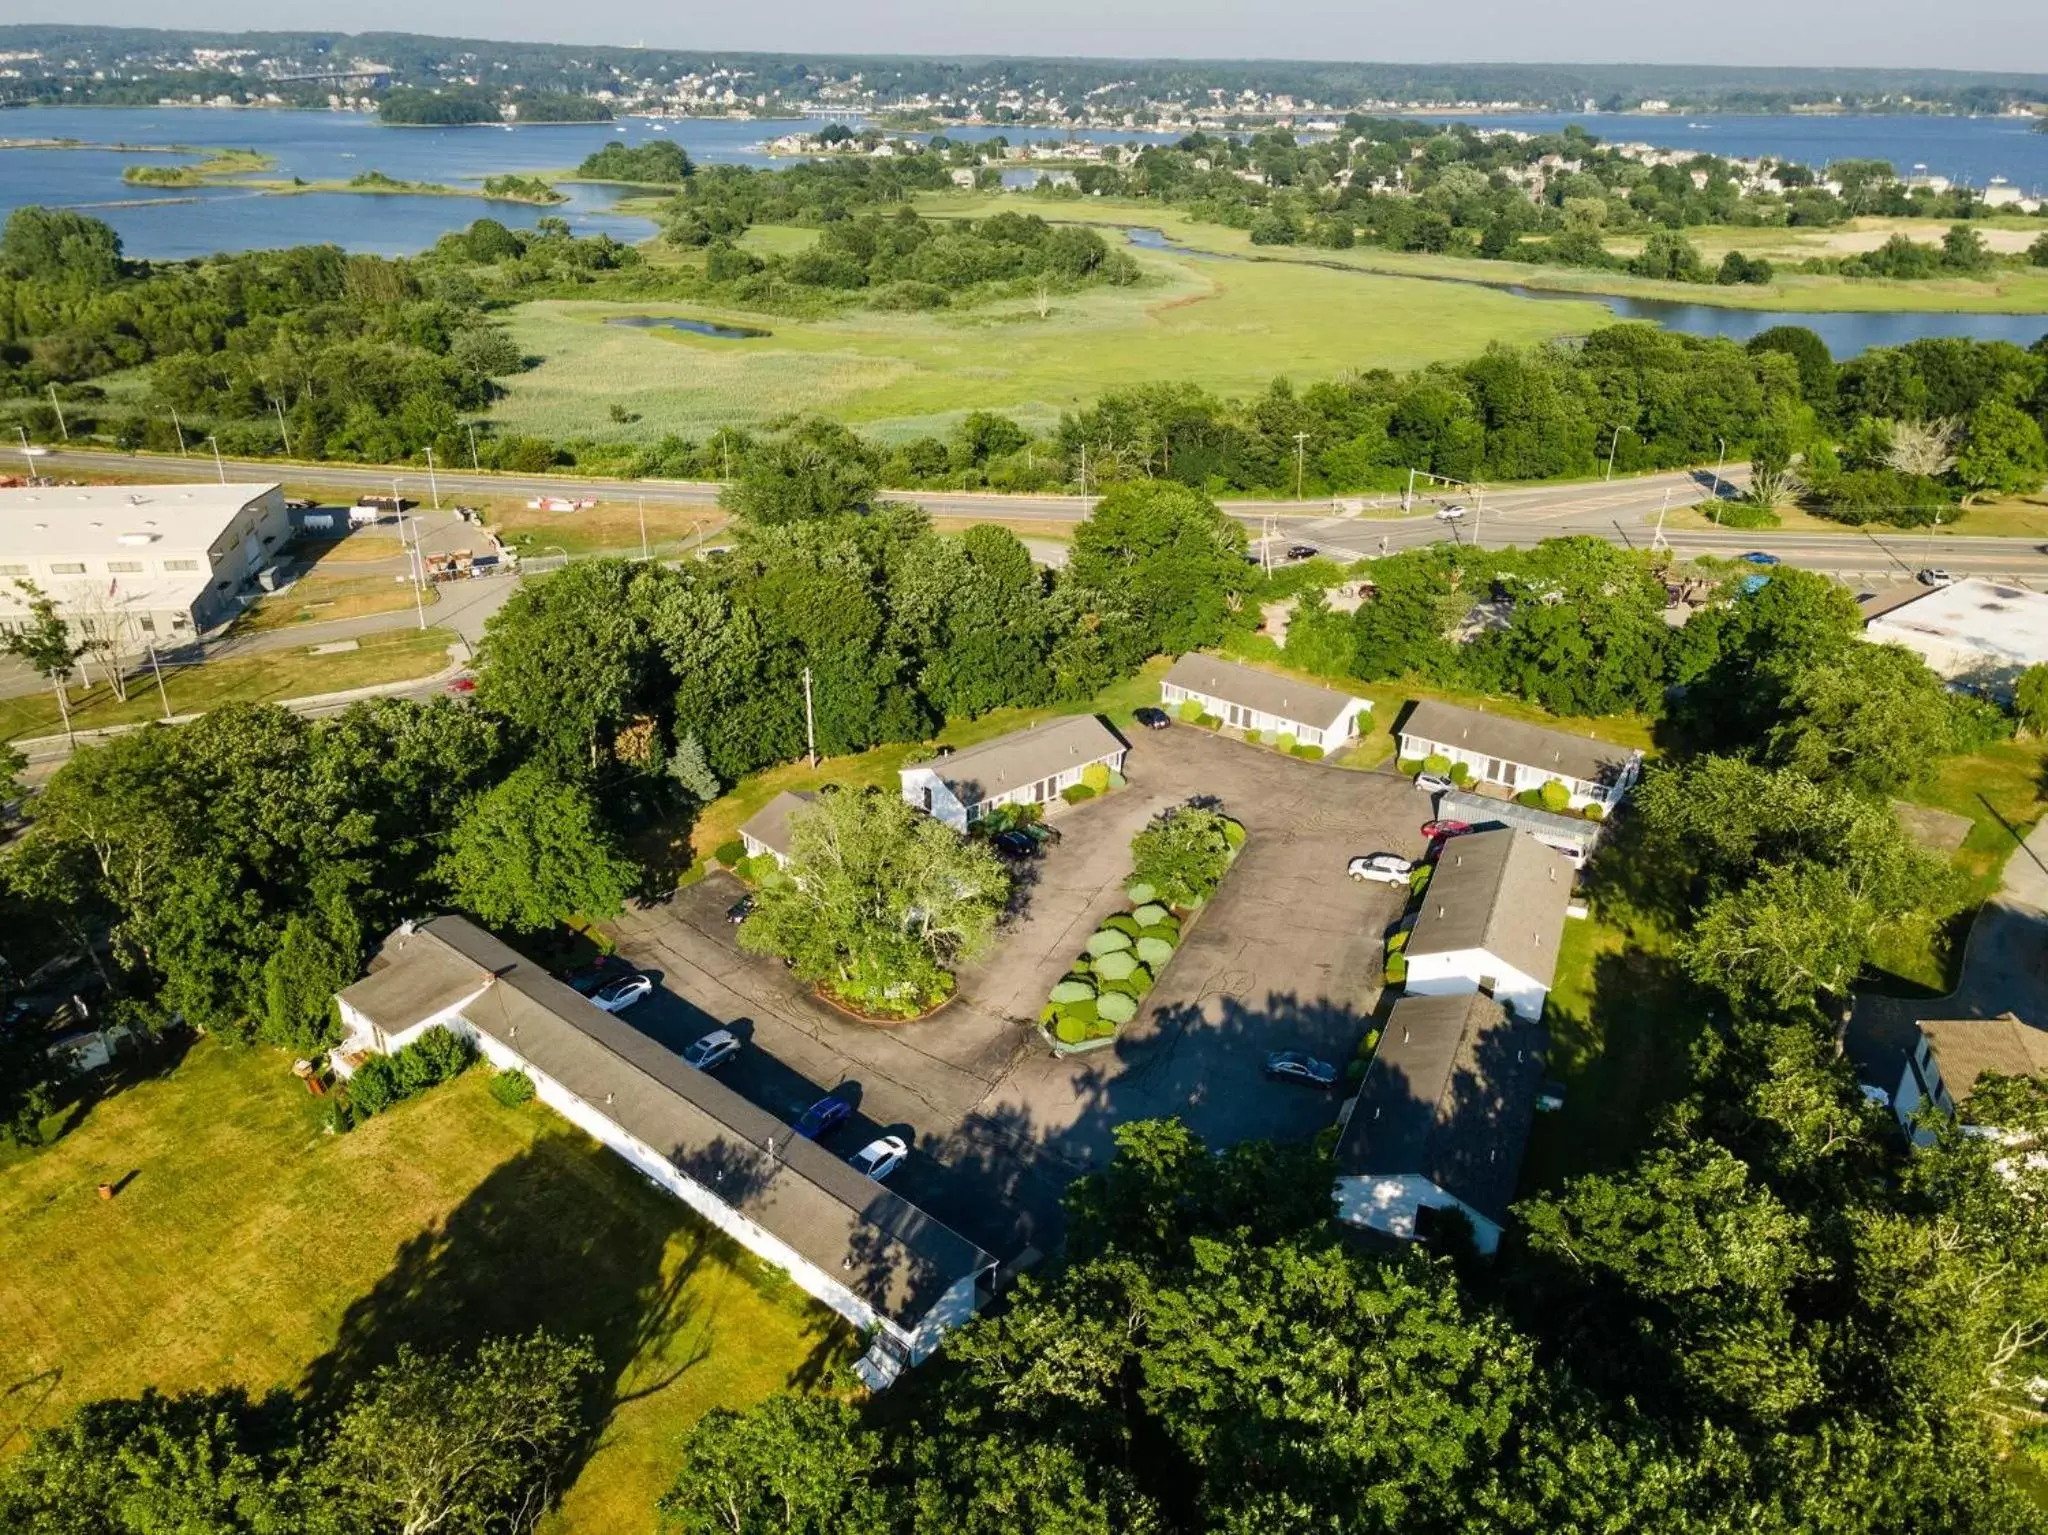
1621,511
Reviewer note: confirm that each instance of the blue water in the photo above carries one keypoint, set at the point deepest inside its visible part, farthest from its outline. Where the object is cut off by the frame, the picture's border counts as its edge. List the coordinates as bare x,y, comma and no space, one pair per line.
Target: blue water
695,327
1967,149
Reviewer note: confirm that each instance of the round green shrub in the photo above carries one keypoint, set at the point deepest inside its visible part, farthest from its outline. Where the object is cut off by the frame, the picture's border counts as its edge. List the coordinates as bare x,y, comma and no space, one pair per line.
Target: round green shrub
731,853
1140,982
1233,832
1127,987
1154,951
1410,765
1118,1008
1212,721
1286,741
1069,1031
1141,894
1594,812
1072,991
1190,710
1530,798
1117,966
1117,780
1397,969
512,1088
1168,930
1556,795
1461,774
1124,922
1074,793
1078,1012
1148,914
1105,942
1309,753
1096,776
1269,738
1398,942
1437,763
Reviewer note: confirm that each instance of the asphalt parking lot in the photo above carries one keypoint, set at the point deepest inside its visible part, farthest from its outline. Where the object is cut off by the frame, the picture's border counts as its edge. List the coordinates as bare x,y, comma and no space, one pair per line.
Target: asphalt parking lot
1285,957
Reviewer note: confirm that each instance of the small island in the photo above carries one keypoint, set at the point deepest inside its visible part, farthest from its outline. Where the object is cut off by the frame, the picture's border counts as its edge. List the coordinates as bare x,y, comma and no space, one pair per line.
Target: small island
219,165
411,107
660,162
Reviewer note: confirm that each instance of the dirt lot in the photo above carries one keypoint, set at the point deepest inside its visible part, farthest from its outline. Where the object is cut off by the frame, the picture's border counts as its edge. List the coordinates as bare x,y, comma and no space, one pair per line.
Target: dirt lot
1287,956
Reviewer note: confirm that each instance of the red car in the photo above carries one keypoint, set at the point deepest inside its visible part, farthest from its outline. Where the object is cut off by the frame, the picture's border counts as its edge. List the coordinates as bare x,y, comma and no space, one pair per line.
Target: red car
462,685
1436,831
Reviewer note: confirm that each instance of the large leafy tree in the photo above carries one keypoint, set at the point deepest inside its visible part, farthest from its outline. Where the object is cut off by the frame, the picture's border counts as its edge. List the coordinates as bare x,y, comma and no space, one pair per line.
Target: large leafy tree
534,850
1184,853
1169,554
878,901
1737,659
1874,717
1587,632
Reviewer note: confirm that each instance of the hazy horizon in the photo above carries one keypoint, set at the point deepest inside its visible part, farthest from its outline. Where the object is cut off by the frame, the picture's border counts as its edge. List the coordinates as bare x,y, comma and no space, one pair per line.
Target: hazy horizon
1991,36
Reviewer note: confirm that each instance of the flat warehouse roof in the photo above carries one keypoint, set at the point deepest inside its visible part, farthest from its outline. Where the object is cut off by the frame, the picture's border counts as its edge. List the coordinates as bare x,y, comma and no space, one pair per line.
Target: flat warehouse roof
119,521
2006,621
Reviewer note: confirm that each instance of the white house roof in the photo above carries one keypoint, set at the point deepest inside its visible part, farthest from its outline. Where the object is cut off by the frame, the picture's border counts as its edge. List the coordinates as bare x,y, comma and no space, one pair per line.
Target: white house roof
1267,692
2006,623
119,521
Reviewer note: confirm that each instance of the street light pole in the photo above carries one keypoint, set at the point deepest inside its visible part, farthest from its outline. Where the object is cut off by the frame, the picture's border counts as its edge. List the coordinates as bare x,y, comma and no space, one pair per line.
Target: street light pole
474,462
59,409
1611,446
178,427
284,435
643,527
162,697
810,723
1300,440
1719,464
433,489
219,468
27,457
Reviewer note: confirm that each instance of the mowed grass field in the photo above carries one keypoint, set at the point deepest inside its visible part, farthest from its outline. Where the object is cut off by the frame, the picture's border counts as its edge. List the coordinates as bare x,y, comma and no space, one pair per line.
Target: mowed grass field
1227,326
247,1247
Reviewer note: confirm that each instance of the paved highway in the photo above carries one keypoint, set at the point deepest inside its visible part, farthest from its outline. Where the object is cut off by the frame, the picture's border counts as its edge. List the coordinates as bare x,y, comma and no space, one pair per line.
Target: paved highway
1622,511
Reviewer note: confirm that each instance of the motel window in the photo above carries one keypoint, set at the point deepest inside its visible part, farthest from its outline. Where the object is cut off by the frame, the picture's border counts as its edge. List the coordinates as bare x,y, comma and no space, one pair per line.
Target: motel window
147,624
181,564
67,568
124,567
13,570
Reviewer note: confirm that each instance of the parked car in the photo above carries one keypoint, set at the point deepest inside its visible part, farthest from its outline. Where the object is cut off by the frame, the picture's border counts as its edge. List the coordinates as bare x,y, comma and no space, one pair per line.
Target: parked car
598,974
1451,513
1758,557
1434,783
462,685
879,1158
1436,831
1934,575
740,910
1153,719
1302,551
1014,844
1294,1066
823,1117
1380,868
713,1050
622,994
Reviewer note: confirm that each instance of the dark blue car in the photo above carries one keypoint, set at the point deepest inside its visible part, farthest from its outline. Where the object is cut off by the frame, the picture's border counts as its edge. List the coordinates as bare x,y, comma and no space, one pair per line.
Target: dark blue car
823,1117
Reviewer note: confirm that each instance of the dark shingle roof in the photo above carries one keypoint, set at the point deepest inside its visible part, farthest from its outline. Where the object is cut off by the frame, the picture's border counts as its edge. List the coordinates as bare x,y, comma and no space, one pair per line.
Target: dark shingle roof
1501,891
769,825
1024,757
1450,1096
879,1245
1250,688
1553,751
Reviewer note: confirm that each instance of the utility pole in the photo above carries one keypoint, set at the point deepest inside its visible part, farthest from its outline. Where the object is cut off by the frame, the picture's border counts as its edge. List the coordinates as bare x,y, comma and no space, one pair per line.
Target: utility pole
27,457
1408,495
643,527
60,413
162,697
278,406
474,462
1614,443
1266,544
219,468
418,563
1300,440
433,488
1657,539
1478,511
810,722
1719,464
1084,468
178,427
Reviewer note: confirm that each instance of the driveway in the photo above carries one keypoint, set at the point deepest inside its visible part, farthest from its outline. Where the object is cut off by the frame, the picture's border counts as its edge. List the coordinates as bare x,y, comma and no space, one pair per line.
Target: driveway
1286,956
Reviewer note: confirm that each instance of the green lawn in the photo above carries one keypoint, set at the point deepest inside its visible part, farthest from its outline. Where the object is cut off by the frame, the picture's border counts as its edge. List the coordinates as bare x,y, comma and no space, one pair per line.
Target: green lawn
247,1247
267,678
397,655
2000,792
1229,327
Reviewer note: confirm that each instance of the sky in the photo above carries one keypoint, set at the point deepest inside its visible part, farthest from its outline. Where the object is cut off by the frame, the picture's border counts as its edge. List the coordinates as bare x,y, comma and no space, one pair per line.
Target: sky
2004,35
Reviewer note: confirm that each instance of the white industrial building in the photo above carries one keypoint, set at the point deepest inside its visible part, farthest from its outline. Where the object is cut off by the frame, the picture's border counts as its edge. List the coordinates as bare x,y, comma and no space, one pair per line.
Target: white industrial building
873,1257
1974,633
150,564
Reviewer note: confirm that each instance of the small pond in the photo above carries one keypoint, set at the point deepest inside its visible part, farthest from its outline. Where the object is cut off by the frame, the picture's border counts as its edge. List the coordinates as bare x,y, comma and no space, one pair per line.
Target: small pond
695,327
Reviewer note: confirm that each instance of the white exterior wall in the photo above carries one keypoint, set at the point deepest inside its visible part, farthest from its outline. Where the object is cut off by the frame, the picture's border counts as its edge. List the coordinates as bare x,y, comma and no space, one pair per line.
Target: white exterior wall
1457,973
946,806
361,1034
1239,717
1389,1202
1517,776
928,792
757,848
